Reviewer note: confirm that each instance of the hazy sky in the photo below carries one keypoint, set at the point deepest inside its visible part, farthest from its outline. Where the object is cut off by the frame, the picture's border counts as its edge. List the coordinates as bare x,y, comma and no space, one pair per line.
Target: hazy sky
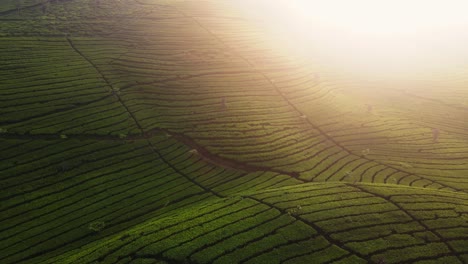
371,35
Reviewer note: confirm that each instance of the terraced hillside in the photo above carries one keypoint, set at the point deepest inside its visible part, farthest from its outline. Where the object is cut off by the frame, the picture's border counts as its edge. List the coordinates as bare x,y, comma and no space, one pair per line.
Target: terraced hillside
166,131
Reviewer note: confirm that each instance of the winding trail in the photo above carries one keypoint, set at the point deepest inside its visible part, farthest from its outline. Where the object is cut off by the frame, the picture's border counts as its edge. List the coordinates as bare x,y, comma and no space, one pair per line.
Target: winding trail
199,150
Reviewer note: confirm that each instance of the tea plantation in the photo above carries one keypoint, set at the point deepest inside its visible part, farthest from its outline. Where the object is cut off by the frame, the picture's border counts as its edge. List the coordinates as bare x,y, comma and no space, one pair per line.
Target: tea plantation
170,131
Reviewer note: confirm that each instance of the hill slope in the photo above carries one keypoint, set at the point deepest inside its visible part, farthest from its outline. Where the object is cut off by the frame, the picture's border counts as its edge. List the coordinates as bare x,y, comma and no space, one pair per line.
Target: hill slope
154,131
325,222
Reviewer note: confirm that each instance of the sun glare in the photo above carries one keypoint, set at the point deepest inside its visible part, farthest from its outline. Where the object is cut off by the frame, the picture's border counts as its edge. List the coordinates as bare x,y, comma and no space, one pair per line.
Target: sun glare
370,36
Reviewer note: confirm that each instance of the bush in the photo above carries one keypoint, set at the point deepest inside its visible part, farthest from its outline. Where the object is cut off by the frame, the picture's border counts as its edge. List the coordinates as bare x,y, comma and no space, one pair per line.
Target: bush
96,226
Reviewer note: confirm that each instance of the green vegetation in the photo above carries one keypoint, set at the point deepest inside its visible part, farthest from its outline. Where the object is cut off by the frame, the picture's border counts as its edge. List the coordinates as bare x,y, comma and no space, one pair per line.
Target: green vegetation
158,131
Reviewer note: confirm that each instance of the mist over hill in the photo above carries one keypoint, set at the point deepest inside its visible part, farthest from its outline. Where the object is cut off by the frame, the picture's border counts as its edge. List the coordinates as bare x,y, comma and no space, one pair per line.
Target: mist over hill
170,131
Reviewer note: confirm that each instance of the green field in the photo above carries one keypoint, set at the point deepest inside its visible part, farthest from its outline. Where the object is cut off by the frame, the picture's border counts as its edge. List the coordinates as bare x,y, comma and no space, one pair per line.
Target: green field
170,131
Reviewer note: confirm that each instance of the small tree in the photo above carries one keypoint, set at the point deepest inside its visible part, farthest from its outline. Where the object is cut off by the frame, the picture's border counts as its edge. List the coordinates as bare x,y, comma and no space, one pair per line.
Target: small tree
435,134
45,6
19,6
96,226
223,103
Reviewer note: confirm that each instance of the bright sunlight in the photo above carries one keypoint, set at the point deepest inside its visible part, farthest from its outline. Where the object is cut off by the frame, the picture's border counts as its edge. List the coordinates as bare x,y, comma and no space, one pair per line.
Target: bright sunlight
370,36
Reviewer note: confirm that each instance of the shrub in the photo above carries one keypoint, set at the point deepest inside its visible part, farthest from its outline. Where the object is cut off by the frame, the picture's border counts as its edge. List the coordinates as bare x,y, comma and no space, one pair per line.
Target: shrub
96,226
